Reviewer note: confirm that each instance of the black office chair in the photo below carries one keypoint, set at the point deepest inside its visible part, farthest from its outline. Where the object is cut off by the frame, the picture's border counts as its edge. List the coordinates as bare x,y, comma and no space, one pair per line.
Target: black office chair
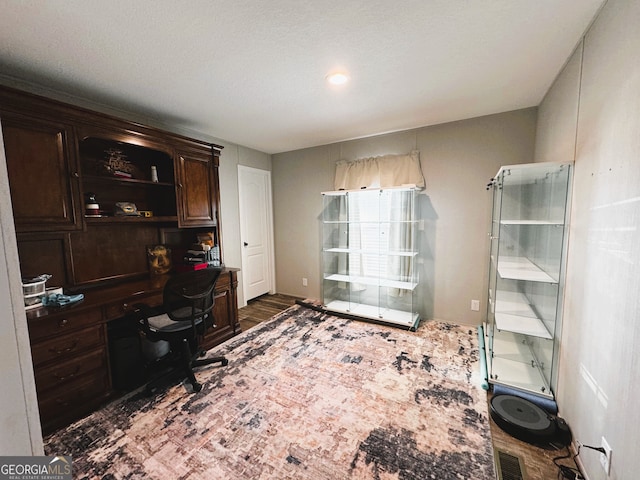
186,313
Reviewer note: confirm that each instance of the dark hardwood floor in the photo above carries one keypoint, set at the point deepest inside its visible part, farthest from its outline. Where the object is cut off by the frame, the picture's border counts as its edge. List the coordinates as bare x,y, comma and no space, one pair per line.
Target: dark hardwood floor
537,463
263,308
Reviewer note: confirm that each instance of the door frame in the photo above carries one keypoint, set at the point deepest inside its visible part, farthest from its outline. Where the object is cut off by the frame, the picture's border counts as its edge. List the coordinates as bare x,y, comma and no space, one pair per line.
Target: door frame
271,277
19,400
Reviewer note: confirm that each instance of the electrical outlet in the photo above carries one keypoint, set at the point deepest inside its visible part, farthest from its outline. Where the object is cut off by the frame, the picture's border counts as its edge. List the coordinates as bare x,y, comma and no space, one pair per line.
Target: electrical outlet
475,305
605,458
304,282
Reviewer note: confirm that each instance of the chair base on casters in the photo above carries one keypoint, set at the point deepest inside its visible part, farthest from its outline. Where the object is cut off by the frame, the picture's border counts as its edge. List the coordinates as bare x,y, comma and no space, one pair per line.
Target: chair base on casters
192,363
197,386
183,369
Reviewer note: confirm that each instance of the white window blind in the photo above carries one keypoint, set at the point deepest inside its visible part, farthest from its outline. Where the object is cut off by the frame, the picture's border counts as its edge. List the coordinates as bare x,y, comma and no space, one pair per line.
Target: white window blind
380,235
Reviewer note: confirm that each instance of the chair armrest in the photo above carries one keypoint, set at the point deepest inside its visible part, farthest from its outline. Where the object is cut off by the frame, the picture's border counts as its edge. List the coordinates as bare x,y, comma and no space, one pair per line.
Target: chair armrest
142,312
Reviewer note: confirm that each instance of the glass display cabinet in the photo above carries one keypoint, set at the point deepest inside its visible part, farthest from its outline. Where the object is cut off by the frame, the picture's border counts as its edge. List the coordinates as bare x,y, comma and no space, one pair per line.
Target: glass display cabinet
369,254
529,233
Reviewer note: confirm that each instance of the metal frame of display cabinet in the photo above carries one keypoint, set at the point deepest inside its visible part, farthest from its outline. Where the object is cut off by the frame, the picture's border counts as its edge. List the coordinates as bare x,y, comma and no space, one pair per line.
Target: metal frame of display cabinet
370,255
529,236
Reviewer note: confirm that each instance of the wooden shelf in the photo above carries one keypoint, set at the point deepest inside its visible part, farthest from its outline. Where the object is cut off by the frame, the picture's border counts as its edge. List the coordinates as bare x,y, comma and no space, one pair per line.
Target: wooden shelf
124,181
130,219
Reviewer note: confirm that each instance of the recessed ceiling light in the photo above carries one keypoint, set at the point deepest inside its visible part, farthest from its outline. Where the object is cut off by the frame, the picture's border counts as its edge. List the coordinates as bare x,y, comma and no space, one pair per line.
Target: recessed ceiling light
338,78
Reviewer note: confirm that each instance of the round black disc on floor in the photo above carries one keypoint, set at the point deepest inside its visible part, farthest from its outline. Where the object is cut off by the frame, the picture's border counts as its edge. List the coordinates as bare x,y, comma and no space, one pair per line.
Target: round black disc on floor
522,419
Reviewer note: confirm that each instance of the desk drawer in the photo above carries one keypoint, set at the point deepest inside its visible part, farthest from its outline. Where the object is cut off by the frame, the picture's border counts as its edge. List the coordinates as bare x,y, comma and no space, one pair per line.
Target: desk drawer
67,346
223,284
120,309
63,405
61,323
64,373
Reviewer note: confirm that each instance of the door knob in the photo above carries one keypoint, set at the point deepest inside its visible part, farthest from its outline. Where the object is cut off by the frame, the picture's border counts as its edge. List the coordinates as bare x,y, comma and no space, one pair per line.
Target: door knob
246,244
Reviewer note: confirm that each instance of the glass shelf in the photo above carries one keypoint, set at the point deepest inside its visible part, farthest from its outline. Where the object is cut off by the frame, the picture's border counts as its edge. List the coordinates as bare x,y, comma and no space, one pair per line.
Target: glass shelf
513,313
369,252
374,281
514,364
530,222
397,317
368,222
521,268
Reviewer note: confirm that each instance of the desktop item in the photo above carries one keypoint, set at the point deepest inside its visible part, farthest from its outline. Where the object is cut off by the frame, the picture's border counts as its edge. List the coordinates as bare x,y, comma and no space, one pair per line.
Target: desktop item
159,257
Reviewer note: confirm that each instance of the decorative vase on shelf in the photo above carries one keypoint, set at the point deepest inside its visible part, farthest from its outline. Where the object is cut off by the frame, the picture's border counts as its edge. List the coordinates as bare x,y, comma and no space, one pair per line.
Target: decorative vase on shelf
91,207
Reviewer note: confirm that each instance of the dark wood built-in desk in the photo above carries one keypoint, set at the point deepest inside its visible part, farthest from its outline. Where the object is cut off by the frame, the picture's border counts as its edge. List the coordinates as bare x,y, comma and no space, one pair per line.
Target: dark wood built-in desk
61,161
70,348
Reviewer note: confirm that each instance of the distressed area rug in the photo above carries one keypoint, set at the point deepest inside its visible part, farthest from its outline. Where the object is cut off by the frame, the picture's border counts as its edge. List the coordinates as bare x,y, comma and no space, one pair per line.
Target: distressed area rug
306,395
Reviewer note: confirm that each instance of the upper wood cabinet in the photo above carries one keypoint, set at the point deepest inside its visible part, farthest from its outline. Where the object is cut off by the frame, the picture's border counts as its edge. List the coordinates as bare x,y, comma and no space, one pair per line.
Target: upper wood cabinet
58,154
43,174
197,180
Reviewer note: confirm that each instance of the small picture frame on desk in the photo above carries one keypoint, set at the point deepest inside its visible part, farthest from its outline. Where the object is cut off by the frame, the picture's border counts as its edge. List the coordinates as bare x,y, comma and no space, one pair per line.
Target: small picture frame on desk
159,257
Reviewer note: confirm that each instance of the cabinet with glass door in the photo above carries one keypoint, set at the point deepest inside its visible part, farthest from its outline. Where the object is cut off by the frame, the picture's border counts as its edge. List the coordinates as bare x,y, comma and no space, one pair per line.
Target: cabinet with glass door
528,235
370,254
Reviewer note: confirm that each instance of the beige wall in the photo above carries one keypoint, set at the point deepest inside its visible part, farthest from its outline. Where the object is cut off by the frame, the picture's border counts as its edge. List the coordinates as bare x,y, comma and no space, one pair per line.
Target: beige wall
595,105
457,158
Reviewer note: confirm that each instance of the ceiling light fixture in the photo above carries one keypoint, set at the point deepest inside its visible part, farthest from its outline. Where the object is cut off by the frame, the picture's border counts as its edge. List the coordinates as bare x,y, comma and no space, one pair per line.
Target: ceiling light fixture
338,78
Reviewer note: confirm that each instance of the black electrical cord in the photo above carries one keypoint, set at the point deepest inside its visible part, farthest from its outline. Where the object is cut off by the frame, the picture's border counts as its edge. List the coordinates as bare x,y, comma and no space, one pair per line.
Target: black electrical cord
566,472
597,449
569,473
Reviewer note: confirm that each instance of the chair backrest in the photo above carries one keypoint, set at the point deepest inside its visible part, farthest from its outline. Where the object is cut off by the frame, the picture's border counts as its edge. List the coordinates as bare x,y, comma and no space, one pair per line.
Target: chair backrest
189,295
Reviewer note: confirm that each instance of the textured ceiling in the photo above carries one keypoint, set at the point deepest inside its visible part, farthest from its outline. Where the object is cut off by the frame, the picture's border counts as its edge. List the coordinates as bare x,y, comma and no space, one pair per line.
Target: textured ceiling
253,72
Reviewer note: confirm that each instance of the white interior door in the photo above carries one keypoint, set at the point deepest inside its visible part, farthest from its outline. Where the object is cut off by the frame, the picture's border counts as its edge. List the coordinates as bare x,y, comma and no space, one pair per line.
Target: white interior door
256,231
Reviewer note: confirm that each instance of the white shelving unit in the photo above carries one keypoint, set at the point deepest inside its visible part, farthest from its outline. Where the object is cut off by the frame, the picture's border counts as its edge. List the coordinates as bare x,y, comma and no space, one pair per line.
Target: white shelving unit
369,255
526,275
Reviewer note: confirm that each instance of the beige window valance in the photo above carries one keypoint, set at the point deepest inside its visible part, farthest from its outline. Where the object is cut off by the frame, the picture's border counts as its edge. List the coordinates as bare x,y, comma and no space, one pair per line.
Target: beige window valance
380,172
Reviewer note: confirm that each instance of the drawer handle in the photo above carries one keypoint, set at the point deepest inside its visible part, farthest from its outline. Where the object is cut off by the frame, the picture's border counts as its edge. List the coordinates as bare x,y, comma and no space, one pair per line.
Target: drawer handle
125,306
60,351
70,375
63,323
